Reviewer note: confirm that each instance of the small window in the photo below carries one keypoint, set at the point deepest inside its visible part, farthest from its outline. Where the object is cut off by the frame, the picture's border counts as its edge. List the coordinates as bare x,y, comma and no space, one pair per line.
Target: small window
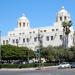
23,40
9,39
30,32
61,37
27,24
23,33
6,41
13,41
23,24
33,31
3,42
19,38
60,18
47,38
56,29
51,37
27,39
17,41
52,29
44,30
35,39
20,24
19,33
65,17
41,31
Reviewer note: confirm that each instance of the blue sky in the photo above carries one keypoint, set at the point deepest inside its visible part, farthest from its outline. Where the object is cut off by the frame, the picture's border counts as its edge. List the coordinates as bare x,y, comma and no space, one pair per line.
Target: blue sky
39,12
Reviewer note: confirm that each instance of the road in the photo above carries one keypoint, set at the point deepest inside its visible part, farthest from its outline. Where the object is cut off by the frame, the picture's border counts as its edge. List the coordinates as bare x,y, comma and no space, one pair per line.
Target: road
41,72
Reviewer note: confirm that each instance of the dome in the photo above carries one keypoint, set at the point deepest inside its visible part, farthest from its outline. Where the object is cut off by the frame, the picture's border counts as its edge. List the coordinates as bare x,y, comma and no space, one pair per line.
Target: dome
23,18
62,15
62,11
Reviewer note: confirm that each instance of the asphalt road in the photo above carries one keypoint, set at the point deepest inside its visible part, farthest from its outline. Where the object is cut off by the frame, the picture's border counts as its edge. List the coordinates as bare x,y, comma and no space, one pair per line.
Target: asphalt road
41,72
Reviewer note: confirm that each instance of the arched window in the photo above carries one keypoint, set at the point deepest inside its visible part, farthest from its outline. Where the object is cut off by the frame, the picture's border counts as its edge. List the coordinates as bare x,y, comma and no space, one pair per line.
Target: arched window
20,24
60,18
27,24
23,40
24,24
3,42
65,17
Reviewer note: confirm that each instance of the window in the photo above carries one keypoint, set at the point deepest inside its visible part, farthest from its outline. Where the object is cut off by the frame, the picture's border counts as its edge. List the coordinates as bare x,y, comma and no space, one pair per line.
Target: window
61,37
27,24
52,29
23,33
23,40
41,31
35,39
47,38
9,39
30,32
16,41
27,39
60,18
13,41
65,17
23,24
56,29
19,33
44,30
51,37
3,42
6,41
19,38
20,24
33,31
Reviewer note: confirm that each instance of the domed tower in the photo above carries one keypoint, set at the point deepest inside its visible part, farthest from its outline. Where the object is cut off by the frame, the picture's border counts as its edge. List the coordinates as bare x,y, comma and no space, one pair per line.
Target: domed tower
23,22
63,15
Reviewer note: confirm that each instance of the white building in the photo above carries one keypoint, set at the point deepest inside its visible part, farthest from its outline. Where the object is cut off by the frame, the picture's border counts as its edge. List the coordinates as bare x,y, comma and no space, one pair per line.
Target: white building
23,35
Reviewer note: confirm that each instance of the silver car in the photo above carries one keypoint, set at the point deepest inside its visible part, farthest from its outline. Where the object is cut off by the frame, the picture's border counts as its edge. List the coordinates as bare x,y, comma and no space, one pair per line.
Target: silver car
64,65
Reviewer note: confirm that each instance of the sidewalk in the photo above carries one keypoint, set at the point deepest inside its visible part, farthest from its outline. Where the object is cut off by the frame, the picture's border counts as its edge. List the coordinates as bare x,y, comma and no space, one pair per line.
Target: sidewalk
28,69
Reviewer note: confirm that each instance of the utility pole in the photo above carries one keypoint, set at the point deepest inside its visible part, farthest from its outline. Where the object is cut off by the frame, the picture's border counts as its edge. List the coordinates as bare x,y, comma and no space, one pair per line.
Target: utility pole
0,48
39,46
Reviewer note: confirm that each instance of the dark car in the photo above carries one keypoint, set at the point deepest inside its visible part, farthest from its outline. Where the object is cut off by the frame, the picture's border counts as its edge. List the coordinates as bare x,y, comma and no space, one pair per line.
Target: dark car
73,65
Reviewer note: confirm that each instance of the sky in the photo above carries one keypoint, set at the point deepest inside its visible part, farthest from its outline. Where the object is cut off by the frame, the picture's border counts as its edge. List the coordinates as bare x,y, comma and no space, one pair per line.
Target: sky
40,13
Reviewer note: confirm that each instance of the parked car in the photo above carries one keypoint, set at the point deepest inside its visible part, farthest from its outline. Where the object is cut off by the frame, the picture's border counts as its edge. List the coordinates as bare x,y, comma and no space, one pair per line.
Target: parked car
73,65
64,65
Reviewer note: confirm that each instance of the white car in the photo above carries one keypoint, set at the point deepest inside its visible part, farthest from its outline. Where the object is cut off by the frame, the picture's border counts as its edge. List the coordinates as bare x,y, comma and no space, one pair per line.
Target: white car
64,65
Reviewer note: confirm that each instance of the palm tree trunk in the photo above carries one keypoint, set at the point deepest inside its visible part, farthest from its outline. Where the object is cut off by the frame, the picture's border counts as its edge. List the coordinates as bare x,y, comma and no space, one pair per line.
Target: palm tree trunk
66,41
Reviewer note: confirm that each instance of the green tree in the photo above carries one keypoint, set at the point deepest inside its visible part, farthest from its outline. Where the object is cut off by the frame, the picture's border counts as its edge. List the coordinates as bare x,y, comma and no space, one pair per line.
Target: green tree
10,52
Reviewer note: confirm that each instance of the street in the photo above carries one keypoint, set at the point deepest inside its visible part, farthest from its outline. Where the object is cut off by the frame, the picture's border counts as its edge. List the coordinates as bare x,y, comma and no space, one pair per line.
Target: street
41,72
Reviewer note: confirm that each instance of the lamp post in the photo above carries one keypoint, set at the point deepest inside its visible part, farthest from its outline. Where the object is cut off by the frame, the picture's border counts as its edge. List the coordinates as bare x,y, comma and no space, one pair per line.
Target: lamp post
0,47
39,46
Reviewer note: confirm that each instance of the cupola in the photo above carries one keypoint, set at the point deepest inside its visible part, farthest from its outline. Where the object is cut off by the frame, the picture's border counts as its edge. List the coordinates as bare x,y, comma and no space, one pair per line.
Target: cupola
23,22
63,15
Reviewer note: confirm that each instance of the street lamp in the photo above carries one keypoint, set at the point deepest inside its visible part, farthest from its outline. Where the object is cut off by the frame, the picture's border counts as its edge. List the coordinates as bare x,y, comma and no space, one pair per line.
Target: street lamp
0,47
39,46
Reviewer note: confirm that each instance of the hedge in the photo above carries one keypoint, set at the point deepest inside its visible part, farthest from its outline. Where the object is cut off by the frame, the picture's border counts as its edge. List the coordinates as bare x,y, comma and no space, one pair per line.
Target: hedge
24,65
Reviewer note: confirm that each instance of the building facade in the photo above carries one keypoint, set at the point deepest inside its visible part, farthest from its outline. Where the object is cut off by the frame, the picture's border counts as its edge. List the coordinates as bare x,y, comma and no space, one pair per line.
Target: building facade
24,35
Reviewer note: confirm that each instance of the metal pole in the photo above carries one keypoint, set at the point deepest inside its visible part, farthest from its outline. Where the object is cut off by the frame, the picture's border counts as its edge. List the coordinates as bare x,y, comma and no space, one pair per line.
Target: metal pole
39,39
0,46
28,56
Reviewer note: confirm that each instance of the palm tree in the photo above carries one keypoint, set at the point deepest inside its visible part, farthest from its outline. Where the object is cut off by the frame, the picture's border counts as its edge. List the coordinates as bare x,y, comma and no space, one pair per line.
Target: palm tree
66,30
